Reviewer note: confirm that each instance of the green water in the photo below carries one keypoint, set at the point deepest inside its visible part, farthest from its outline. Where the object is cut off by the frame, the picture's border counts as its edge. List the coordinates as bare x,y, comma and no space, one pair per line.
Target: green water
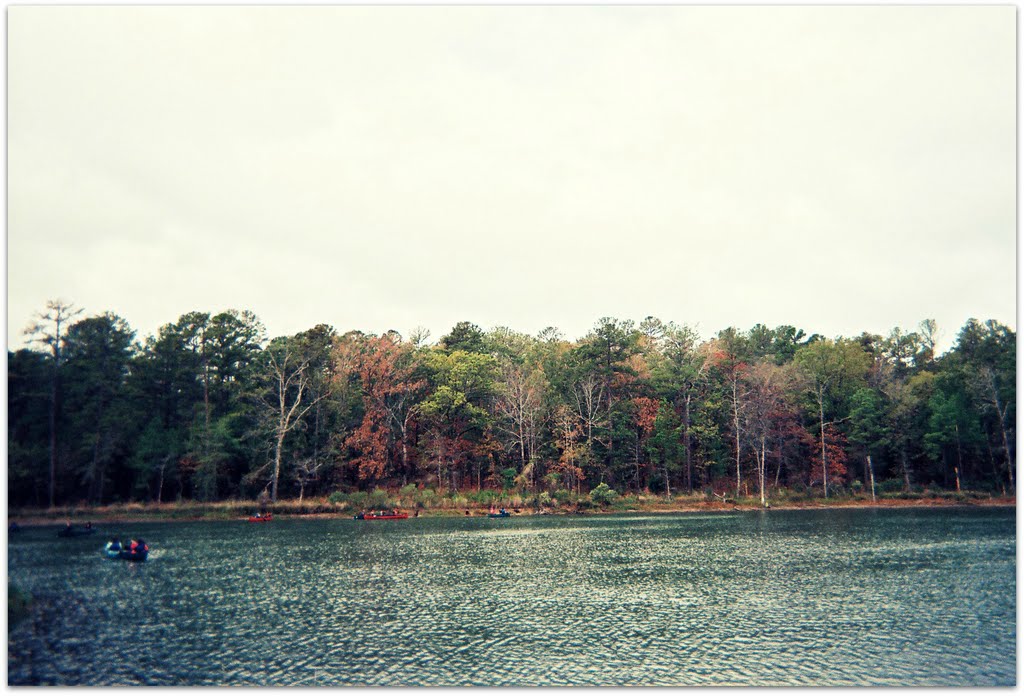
838,597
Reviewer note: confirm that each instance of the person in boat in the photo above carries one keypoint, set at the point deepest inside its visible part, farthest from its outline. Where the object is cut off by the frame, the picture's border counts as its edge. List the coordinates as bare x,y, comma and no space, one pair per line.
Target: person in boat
88,525
114,544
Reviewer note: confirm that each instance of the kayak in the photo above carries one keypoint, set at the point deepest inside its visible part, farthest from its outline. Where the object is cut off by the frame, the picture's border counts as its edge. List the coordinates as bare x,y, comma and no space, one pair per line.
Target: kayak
503,513
264,518
75,532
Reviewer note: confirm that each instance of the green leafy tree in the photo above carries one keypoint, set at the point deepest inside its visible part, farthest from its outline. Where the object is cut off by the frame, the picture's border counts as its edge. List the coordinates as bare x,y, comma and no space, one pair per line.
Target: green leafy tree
456,414
465,336
28,406
99,353
49,329
986,353
952,430
603,495
869,429
605,353
834,369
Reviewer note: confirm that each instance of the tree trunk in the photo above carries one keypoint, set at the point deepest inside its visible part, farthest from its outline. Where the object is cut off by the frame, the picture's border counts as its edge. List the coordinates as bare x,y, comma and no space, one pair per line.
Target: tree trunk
686,443
824,462
206,410
761,472
95,490
1006,449
522,442
53,435
871,473
608,388
316,437
277,464
959,457
736,428
778,468
160,482
1001,414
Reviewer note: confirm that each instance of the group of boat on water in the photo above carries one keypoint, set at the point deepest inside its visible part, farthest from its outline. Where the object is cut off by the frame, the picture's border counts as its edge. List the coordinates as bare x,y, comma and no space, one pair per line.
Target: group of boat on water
387,514
138,549
132,550
392,514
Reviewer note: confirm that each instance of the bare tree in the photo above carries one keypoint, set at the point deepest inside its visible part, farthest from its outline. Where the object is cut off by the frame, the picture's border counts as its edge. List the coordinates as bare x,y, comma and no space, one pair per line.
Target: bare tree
769,387
307,470
567,428
50,328
419,336
984,385
290,375
519,404
588,393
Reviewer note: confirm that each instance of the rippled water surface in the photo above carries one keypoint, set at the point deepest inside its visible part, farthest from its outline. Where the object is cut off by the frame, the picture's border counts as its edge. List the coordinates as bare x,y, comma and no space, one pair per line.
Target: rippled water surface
840,597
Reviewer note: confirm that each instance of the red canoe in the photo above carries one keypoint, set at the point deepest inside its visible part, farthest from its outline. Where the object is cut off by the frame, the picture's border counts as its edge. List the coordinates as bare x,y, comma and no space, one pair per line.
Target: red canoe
264,518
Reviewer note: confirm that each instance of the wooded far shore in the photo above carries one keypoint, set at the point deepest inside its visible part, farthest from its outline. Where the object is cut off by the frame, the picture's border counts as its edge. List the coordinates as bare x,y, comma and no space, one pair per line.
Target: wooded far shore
211,411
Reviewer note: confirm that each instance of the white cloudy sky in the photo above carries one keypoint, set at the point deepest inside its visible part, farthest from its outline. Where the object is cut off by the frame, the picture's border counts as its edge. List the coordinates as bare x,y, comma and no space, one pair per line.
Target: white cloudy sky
836,168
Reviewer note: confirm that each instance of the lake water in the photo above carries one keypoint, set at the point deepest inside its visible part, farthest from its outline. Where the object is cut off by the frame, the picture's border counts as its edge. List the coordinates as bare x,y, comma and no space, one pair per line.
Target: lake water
830,597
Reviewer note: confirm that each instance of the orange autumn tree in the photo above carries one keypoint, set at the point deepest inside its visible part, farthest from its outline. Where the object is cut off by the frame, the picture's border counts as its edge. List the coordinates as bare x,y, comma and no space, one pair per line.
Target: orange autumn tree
645,415
387,372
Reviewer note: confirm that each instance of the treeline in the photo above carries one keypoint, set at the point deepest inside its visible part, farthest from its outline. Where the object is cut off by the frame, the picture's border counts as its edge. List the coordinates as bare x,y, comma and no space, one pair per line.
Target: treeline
209,409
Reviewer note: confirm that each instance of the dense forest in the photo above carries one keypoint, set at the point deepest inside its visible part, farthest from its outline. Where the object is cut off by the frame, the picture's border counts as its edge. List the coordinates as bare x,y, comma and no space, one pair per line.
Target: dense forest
209,409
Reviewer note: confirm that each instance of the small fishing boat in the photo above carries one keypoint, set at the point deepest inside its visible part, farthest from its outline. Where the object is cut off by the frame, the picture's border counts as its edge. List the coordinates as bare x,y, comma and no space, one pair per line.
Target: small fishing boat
71,531
261,518
137,550
499,513
382,515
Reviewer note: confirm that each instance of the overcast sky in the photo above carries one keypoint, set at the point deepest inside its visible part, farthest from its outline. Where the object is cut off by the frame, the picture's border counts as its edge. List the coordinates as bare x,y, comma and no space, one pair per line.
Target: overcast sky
840,169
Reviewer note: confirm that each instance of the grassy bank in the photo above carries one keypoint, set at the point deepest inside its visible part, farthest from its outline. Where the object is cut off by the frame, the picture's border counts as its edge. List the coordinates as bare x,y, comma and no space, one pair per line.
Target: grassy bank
428,502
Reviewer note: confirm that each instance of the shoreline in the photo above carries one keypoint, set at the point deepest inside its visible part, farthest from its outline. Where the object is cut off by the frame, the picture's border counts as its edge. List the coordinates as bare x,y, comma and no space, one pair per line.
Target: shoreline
169,513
